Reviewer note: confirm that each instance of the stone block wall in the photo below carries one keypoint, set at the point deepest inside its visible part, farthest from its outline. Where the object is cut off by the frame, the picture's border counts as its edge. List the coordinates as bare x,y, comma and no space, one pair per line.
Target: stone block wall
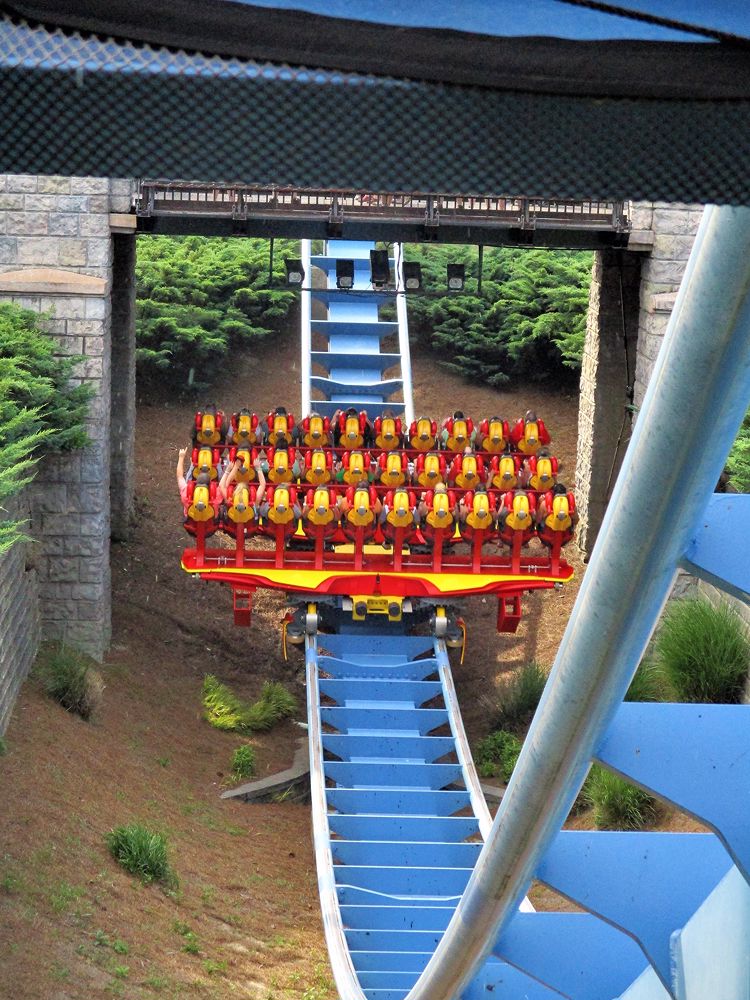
19,614
607,373
56,259
674,228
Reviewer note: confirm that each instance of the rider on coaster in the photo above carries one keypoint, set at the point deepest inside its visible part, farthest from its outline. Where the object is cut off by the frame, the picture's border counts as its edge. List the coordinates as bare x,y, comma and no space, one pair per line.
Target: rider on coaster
556,515
529,434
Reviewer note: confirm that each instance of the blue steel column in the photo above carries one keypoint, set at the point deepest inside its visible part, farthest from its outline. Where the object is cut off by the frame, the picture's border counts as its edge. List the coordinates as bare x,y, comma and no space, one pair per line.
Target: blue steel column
693,408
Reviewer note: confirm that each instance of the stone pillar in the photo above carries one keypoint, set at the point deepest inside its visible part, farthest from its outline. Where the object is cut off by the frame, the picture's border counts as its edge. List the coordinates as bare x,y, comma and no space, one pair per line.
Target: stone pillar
674,228
607,376
625,321
123,387
56,259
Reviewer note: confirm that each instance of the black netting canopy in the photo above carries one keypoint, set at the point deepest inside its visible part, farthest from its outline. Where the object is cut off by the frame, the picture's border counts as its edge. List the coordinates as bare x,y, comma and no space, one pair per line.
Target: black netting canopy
646,100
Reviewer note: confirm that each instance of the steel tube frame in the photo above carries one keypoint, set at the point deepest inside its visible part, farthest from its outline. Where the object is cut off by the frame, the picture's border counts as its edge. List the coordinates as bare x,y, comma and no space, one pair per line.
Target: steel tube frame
698,392
306,328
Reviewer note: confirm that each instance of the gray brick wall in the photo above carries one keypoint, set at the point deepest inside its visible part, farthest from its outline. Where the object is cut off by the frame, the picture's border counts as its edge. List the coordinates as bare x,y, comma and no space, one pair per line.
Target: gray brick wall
62,223
674,228
19,614
606,385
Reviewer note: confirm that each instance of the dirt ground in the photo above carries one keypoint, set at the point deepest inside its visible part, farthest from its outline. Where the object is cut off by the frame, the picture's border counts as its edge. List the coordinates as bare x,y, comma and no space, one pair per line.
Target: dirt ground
73,924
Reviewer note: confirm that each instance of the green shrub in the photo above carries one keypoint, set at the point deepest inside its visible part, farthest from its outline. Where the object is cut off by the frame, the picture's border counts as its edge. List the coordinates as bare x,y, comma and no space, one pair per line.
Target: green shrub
3,747
704,651
617,804
69,677
518,696
496,755
200,297
142,853
225,710
648,683
243,762
528,322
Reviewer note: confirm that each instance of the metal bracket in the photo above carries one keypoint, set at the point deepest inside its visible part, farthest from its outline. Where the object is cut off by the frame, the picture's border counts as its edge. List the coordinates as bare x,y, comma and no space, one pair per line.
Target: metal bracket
311,619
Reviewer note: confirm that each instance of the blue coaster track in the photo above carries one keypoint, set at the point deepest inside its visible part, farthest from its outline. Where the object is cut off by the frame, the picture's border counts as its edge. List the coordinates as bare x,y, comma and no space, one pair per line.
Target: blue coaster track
421,896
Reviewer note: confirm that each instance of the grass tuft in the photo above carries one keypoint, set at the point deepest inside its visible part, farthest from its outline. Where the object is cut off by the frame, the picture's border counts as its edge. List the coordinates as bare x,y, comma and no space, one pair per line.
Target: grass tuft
282,702
223,709
704,651
518,697
648,683
142,853
69,677
243,762
496,755
617,804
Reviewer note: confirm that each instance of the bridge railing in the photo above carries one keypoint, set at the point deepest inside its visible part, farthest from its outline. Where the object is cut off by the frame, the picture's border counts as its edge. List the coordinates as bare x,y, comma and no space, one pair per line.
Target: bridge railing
244,201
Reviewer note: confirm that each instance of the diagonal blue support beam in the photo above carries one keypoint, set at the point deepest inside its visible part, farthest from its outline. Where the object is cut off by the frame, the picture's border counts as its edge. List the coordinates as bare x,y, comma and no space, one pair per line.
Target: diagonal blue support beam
679,752
647,884
576,953
500,981
705,360
719,550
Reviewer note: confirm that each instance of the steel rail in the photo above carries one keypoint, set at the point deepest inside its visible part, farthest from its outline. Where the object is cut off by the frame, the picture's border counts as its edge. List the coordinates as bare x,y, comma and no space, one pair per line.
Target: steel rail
463,751
306,329
403,335
338,948
698,392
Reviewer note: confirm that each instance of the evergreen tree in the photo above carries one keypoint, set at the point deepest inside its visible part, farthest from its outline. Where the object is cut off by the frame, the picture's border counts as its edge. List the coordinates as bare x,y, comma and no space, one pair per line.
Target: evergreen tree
199,297
529,321
40,408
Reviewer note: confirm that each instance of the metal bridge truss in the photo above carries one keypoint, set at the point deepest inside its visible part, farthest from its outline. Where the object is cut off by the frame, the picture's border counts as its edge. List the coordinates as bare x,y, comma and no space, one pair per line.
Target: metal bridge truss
164,206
